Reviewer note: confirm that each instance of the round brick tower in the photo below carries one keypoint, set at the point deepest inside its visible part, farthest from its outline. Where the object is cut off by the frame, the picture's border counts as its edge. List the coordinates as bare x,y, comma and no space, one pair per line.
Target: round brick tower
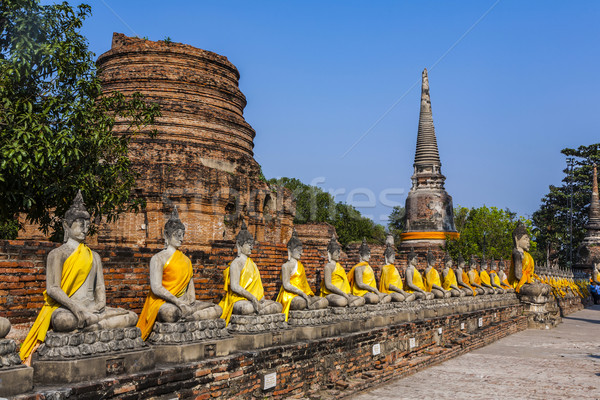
202,158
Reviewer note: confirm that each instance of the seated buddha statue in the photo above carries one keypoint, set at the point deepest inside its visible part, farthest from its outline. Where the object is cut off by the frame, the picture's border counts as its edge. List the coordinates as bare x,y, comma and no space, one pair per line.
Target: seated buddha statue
172,295
450,282
244,292
504,278
362,278
486,280
463,279
495,279
433,282
295,292
75,296
335,286
414,279
390,281
595,277
521,273
474,278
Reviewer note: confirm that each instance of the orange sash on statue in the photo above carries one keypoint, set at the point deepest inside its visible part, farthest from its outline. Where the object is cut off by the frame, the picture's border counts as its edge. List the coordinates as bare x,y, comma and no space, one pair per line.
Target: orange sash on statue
368,278
298,280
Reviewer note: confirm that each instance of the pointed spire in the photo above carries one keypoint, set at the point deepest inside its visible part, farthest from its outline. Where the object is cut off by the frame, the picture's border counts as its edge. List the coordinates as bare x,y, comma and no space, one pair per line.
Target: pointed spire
427,149
594,215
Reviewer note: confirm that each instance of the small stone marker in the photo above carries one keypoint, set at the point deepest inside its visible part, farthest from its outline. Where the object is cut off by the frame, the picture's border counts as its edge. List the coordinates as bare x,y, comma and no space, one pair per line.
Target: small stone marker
376,349
412,343
440,331
269,380
480,322
462,326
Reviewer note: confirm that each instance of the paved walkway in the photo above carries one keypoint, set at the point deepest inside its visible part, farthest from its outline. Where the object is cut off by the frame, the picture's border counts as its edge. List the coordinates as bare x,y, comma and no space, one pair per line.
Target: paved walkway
561,363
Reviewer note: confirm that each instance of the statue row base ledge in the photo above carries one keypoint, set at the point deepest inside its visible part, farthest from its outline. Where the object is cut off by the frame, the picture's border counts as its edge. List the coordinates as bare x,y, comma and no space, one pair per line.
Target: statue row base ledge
15,377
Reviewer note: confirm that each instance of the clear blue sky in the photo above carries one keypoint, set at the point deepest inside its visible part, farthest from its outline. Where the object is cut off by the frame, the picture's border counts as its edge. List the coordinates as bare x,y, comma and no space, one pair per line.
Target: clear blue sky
508,90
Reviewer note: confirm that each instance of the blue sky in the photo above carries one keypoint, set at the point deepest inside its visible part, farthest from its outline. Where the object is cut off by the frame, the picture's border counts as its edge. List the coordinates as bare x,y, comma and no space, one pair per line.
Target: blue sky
512,83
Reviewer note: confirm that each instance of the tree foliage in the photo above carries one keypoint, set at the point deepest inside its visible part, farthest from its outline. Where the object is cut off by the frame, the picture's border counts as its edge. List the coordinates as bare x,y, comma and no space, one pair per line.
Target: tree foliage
397,222
55,122
315,205
485,232
552,219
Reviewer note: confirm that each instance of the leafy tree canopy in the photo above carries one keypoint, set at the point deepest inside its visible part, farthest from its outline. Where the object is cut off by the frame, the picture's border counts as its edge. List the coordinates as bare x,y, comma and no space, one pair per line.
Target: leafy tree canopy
552,219
315,205
55,122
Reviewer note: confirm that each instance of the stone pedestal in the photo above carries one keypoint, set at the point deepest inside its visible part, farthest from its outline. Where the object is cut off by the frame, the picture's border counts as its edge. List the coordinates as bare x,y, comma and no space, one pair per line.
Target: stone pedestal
75,357
257,323
311,317
15,378
542,311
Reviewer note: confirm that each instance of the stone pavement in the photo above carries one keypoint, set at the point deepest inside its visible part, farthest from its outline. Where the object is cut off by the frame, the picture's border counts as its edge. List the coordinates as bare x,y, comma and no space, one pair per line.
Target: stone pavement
561,363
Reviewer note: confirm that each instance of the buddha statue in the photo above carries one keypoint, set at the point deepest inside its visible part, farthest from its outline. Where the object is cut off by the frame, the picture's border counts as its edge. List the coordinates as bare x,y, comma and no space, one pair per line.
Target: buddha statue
172,295
362,279
495,279
390,281
450,282
521,274
463,279
486,280
595,278
335,286
433,282
414,279
75,296
295,292
244,293
474,279
504,278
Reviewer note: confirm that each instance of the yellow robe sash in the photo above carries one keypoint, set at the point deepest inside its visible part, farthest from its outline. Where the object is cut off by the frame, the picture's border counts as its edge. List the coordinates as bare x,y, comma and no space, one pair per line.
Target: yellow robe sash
450,280
526,277
465,279
432,278
249,280
485,277
339,279
368,278
177,273
389,276
75,271
417,281
298,280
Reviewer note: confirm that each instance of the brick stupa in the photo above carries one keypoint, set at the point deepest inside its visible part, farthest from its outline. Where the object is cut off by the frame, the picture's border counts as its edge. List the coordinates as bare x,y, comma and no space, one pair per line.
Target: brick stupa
429,210
202,159
589,250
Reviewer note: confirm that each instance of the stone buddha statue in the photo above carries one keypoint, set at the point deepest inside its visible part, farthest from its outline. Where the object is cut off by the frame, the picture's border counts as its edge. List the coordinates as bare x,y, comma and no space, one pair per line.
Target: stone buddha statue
414,279
450,282
433,283
504,278
463,279
486,280
172,295
521,274
595,278
75,296
495,279
295,292
244,293
335,286
474,279
362,278
390,281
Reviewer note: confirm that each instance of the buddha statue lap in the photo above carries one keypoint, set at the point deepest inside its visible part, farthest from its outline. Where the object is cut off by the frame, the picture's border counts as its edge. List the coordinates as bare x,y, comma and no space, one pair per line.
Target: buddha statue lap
295,292
172,296
244,293
75,296
4,327
433,282
362,279
475,279
450,282
335,286
414,279
390,281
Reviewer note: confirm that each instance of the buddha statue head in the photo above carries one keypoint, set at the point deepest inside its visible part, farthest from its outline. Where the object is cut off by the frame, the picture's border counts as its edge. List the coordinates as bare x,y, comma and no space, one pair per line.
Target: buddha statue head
244,241
484,264
492,265
473,263
430,258
461,262
389,253
412,258
294,246
520,237
174,230
364,251
448,262
334,250
76,222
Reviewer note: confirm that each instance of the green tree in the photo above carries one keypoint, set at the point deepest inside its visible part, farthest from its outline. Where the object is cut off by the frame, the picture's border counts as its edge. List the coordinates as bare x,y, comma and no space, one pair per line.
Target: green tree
552,219
485,231
55,122
315,205
397,222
